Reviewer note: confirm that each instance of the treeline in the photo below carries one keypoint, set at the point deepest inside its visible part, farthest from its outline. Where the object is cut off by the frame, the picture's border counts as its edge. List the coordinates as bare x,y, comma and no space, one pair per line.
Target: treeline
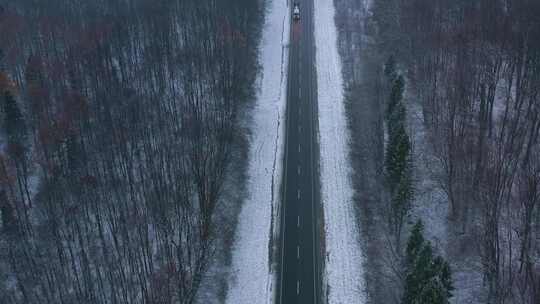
475,67
398,163
423,277
118,121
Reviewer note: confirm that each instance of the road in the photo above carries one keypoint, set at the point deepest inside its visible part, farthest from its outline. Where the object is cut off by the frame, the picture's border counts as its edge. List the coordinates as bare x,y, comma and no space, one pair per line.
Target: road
298,282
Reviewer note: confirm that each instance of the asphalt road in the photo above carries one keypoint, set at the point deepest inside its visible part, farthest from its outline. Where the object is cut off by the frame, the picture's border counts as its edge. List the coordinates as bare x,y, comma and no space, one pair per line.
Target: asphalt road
298,282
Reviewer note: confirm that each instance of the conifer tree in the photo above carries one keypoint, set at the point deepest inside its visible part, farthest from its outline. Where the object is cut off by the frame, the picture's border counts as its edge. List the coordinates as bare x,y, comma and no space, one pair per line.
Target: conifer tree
13,122
416,240
396,95
73,154
428,278
1,59
390,69
397,157
398,178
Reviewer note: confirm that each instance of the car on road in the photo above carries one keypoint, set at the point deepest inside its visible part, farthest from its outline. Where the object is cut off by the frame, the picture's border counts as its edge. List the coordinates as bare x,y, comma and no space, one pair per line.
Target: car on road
296,12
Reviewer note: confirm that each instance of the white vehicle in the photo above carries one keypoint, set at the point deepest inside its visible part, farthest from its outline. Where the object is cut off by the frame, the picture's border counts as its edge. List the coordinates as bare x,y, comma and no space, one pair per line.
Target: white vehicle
296,12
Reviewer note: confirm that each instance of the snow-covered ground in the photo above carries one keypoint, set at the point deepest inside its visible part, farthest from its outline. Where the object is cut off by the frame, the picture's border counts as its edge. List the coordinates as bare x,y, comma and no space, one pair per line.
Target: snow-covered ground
343,274
431,206
253,274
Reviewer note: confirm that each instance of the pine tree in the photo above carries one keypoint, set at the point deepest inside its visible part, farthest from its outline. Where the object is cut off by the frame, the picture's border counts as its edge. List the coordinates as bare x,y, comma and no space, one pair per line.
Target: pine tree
428,278
397,162
397,158
390,69
416,240
396,95
7,214
397,118
73,154
13,122
401,203
1,60
398,179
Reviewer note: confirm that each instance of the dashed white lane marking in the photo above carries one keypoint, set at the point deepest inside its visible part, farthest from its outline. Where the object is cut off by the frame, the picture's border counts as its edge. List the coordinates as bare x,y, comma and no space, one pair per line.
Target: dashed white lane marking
299,170
299,92
298,148
298,252
298,221
297,287
298,194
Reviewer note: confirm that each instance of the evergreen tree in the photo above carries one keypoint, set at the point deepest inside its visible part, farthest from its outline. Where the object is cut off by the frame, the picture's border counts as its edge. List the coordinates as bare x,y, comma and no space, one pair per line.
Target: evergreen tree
428,278
398,179
1,60
73,154
416,240
397,118
13,122
397,158
398,149
390,69
396,95
401,203
8,220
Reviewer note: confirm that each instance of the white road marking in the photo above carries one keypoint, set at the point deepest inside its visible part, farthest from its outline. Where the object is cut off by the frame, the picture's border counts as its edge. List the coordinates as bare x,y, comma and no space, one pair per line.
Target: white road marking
298,148
298,221
299,92
298,252
299,170
297,287
298,194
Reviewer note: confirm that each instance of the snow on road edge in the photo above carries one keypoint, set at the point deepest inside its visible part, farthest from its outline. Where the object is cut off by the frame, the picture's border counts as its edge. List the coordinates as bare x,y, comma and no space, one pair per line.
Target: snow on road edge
343,274
253,278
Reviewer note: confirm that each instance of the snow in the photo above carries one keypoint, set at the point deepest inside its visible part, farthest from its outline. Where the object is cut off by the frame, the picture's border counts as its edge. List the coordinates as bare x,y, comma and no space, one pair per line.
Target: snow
430,203
344,277
253,274
431,206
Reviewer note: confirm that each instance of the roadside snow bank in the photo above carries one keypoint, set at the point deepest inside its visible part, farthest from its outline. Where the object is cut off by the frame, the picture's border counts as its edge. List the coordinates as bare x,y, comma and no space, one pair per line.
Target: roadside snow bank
344,277
252,278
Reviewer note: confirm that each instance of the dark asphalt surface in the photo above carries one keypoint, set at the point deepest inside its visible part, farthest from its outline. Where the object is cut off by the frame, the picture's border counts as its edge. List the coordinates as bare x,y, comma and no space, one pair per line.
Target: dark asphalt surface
298,282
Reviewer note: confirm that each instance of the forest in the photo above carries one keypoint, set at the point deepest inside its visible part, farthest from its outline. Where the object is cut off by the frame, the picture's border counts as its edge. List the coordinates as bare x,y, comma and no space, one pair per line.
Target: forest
120,124
123,123
475,67
472,68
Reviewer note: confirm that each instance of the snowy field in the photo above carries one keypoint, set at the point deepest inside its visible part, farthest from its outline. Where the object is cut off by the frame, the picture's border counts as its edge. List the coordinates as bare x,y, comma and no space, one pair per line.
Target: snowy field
253,276
344,277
